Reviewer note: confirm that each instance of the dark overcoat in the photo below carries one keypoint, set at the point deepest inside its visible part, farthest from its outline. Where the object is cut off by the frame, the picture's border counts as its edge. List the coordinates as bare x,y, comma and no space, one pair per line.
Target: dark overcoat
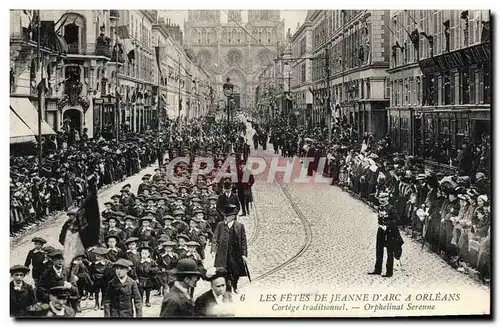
221,241
176,304
21,300
118,299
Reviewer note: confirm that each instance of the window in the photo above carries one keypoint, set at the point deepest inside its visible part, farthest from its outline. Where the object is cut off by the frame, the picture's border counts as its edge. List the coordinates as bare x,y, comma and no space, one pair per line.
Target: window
446,88
430,120
443,154
303,72
417,91
405,134
465,87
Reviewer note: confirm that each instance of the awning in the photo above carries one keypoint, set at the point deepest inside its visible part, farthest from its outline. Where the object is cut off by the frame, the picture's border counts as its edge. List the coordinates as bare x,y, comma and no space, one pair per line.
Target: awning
29,115
19,132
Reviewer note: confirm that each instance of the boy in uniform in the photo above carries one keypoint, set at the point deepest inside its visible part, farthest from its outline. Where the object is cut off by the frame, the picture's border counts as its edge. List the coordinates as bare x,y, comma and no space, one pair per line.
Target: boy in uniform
35,258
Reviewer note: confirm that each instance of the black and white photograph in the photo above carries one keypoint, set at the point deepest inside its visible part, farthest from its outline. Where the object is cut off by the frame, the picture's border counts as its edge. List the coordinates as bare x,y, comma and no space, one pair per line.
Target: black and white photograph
250,163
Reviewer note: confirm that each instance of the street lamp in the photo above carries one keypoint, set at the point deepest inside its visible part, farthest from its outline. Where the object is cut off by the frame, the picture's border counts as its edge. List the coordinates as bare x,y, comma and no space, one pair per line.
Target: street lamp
228,88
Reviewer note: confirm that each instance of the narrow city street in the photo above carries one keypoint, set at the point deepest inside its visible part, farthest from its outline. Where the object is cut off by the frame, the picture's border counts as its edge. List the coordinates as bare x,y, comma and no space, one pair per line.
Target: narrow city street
313,235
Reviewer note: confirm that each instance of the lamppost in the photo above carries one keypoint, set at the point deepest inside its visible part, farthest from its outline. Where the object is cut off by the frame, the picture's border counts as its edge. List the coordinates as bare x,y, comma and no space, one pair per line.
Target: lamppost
228,92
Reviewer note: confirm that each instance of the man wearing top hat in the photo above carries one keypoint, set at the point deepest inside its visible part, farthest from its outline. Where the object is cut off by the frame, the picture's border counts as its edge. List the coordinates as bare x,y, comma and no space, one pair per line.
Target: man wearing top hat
122,294
230,246
217,295
36,258
177,302
226,198
22,294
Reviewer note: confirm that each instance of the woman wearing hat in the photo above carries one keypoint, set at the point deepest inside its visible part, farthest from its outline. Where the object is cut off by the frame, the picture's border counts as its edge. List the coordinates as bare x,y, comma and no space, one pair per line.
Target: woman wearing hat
146,269
207,303
22,294
177,302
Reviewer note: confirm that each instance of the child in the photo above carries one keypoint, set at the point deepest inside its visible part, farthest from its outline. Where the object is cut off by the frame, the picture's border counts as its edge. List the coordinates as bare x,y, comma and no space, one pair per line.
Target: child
146,234
121,292
192,253
114,252
22,294
167,261
101,274
129,229
168,229
182,248
146,271
132,255
36,258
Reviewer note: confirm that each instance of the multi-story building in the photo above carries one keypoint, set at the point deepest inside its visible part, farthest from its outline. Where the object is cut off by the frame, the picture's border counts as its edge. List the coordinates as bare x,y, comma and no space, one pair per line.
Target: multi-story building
267,94
301,74
356,46
440,81
225,50
75,49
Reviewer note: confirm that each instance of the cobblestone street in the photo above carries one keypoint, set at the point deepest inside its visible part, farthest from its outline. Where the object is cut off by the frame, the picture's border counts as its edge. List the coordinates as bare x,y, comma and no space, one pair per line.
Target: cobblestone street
307,235
341,250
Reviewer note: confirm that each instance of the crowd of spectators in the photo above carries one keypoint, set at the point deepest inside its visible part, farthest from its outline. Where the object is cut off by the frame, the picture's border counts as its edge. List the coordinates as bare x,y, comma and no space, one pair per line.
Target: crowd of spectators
446,208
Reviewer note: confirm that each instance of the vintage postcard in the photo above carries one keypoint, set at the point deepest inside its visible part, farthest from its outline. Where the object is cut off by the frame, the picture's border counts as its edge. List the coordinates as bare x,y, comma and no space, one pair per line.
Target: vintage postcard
250,163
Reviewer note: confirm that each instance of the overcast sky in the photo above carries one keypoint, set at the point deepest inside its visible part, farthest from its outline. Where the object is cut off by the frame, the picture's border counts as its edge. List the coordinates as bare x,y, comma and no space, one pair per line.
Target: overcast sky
291,17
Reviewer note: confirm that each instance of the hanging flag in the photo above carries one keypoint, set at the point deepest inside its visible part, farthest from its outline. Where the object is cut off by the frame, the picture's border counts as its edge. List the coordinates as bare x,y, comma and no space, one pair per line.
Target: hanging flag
157,52
81,231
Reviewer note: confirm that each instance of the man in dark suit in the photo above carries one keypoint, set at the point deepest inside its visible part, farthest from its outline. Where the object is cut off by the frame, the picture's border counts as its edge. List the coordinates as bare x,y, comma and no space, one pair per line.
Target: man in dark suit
227,197
230,246
54,276
387,236
244,187
177,302
217,295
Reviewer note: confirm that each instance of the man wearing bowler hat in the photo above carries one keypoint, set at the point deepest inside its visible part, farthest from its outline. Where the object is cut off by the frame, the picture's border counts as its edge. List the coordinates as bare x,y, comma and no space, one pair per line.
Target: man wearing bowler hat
230,247
122,294
177,302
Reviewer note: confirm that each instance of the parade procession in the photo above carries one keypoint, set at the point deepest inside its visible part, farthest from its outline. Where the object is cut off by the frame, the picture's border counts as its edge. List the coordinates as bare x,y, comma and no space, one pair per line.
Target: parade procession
248,170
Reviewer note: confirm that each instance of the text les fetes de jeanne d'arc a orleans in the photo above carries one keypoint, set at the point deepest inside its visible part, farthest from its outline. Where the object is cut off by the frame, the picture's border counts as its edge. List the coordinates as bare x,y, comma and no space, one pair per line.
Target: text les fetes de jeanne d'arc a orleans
294,302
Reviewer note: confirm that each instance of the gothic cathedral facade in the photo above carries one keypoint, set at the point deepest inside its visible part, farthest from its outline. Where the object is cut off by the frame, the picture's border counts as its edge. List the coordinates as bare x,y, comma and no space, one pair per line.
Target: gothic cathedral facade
227,49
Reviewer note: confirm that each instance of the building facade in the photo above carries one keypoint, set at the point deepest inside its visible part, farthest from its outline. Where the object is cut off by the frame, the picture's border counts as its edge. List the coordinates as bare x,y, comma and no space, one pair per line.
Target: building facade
301,82
355,45
440,81
95,61
225,50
